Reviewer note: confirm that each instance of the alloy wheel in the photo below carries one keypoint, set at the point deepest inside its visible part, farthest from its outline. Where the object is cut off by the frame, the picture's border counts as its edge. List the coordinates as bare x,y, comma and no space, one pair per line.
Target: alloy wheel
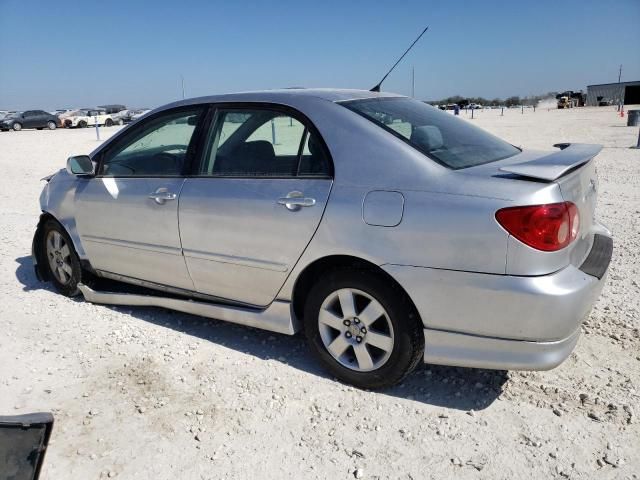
59,257
356,330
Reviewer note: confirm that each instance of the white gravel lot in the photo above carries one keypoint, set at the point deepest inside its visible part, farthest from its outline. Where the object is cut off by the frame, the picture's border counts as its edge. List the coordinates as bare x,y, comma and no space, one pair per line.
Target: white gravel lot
152,394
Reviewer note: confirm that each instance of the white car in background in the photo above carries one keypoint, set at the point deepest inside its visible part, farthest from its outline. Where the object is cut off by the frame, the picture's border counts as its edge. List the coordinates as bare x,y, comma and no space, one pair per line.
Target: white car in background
88,118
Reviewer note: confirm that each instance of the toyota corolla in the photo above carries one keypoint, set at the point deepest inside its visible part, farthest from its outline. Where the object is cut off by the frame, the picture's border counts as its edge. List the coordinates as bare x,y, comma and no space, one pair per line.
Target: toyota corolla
388,231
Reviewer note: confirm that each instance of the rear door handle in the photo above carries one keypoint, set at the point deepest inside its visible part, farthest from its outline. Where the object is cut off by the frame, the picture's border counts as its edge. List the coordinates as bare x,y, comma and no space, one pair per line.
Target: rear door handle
295,200
162,195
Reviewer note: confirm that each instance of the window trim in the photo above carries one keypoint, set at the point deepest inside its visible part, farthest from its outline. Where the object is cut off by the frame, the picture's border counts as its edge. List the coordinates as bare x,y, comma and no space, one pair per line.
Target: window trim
204,140
131,132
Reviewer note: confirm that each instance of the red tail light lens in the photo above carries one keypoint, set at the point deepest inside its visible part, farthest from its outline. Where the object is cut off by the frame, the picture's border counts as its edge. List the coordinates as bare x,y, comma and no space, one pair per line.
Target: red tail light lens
547,227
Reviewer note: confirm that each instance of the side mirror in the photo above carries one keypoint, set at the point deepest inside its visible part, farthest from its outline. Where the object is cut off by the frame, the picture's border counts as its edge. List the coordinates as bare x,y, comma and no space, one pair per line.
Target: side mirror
81,165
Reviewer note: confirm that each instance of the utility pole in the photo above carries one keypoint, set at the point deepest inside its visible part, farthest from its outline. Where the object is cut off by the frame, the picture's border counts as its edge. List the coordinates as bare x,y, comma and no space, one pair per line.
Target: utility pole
182,81
413,82
620,73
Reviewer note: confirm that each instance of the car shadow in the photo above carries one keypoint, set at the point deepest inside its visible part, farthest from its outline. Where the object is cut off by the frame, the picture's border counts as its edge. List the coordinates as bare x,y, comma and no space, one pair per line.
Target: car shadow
450,387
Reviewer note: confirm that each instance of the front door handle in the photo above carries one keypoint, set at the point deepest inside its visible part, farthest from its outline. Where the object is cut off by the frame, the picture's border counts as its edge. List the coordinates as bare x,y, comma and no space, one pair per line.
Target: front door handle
295,200
162,195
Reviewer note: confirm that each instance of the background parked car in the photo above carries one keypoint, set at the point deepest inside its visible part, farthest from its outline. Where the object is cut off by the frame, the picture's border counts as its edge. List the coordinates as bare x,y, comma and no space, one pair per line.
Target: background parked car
138,114
61,111
88,117
112,109
125,116
4,113
38,119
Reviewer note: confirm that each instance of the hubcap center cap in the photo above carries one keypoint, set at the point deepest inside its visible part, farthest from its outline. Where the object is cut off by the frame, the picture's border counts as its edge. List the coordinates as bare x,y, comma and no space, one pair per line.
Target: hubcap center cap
355,329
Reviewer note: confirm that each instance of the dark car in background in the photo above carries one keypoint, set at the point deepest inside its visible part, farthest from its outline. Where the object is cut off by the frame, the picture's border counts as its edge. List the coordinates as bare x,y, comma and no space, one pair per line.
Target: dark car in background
111,109
38,119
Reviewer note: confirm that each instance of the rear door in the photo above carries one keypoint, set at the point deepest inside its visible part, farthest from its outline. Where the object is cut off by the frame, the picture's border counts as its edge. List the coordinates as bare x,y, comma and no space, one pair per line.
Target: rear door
127,215
29,119
254,202
41,118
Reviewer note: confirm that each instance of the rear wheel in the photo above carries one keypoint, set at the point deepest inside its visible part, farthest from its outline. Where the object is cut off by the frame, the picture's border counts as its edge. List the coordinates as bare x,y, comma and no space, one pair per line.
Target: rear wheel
362,328
62,262
108,123
51,125
17,127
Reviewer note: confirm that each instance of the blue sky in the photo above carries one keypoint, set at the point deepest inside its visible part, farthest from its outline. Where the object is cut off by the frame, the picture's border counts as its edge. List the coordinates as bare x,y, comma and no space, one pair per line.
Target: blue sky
57,54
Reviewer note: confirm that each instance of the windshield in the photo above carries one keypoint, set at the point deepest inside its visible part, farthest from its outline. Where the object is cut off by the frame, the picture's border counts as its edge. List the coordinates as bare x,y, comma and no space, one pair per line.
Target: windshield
448,140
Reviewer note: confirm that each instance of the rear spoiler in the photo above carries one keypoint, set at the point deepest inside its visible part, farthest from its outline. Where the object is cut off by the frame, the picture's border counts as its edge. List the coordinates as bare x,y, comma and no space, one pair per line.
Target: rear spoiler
554,166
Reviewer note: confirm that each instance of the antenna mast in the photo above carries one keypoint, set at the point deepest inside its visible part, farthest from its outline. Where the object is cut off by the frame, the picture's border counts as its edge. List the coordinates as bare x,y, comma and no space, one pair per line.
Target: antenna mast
377,87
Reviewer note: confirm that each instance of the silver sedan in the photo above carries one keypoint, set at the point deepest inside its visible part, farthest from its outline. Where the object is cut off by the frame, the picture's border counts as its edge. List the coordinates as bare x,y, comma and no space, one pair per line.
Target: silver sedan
388,231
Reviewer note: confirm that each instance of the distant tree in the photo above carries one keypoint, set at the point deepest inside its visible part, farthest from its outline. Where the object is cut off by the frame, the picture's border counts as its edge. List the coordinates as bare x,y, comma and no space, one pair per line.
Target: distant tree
515,100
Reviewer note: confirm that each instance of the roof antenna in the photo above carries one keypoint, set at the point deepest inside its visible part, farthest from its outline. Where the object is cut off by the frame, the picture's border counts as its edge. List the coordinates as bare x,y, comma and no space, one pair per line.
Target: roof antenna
377,87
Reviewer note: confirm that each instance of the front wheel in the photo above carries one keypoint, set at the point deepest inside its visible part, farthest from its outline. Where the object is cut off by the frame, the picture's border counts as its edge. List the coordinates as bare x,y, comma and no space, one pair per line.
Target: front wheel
51,125
17,127
363,328
82,124
62,262
108,123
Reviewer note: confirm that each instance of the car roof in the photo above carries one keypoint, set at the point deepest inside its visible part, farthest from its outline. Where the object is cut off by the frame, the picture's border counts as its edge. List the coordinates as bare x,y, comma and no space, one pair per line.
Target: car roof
287,96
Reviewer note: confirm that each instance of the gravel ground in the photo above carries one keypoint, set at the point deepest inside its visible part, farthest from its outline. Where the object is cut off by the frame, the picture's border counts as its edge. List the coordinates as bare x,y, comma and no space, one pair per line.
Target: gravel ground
149,393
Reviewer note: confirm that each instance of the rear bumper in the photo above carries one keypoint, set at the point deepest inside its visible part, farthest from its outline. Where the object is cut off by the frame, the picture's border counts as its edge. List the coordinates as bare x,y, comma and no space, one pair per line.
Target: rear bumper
504,321
462,350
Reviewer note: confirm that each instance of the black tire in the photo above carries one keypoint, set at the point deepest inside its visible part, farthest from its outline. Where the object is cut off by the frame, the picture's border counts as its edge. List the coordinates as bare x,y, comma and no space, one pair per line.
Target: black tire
408,343
108,123
82,124
69,288
39,128
17,126
51,125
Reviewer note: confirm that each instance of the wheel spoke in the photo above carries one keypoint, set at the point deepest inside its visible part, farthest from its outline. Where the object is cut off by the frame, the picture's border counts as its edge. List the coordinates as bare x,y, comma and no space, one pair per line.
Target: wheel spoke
329,319
65,251
383,342
67,268
61,275
56,240
338,346
51,246
371,313
365,362
347,303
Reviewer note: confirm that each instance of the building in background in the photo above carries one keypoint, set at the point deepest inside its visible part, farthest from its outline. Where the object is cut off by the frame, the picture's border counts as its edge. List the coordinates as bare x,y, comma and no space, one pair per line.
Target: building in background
627,93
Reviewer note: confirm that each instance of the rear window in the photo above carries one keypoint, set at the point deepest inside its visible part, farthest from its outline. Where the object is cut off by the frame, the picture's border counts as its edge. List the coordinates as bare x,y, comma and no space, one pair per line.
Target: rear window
442,137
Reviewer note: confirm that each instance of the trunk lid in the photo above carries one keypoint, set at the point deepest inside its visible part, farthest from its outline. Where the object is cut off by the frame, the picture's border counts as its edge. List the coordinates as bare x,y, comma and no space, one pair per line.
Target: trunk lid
573,169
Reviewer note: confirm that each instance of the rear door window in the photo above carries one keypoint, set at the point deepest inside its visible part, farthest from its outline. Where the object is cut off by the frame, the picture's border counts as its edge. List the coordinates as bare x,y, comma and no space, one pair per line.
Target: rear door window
262,143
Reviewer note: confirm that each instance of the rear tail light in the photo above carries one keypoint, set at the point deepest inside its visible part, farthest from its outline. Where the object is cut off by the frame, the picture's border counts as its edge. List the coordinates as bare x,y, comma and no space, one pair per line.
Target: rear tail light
547,227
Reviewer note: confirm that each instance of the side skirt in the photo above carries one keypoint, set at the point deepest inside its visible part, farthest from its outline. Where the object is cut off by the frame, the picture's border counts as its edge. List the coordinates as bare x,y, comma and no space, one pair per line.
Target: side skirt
277,317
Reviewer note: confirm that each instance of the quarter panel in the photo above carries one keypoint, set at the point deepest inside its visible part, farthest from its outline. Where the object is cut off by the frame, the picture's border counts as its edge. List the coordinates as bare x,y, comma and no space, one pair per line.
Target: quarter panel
438,230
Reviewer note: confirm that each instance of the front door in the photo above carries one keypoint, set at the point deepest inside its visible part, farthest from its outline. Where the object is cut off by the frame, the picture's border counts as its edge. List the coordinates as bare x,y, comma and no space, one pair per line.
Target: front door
127,216
254,204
